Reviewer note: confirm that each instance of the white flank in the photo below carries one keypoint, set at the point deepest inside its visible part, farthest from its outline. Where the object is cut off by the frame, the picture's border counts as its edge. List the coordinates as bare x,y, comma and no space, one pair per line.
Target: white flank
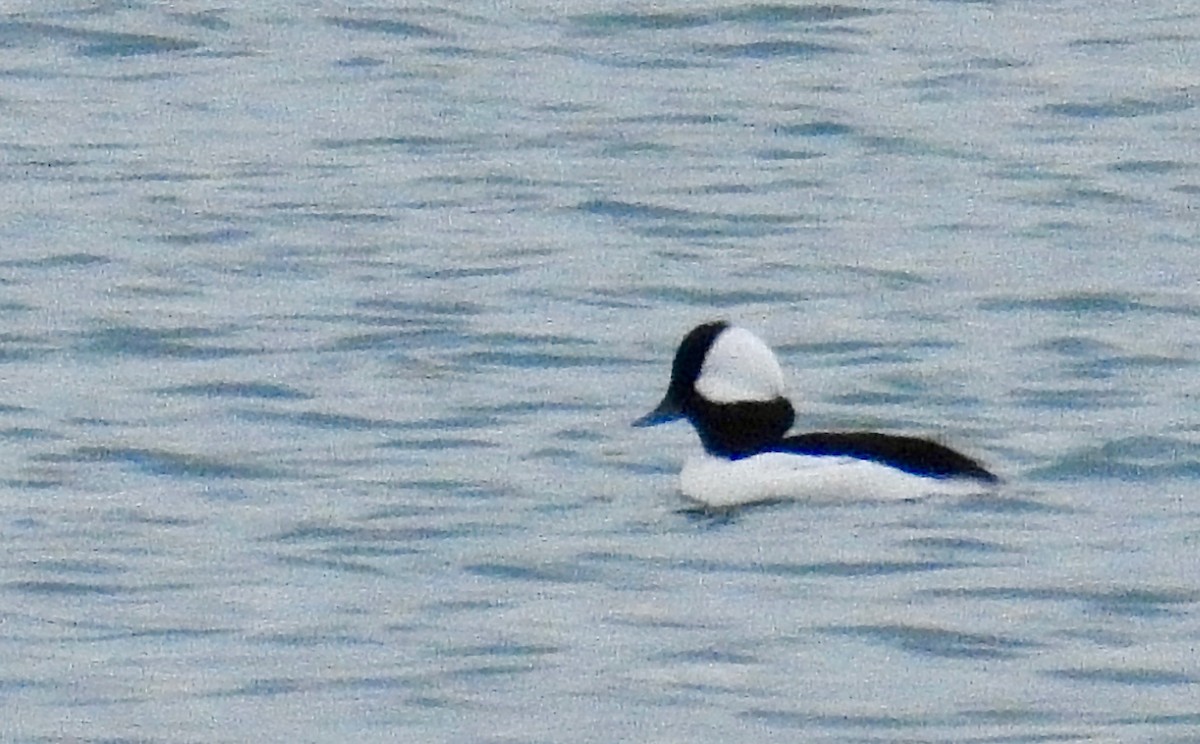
775,476
739,367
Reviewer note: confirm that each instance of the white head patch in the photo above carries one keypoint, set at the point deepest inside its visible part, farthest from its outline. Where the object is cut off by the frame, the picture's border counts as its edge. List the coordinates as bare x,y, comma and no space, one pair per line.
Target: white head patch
739,367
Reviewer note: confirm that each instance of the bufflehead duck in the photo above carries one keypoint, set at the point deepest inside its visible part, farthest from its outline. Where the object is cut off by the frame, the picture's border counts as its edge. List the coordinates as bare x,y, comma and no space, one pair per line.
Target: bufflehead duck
729,385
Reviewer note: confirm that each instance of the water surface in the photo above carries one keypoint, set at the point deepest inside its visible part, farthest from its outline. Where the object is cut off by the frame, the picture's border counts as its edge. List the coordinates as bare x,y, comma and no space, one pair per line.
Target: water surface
323,327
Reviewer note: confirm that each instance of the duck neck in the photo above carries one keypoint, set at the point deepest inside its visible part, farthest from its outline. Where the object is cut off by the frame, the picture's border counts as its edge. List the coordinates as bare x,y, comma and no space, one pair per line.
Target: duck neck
736,430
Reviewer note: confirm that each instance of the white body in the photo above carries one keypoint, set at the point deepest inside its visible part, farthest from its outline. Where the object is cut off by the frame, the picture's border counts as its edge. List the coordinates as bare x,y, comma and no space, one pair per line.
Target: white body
776,476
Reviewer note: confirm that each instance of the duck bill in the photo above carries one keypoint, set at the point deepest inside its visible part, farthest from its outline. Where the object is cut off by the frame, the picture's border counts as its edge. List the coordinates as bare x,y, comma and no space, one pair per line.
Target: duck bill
666,412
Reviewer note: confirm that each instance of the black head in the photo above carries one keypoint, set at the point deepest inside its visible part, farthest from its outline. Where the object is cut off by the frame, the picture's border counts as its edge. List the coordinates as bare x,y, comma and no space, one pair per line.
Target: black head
685,370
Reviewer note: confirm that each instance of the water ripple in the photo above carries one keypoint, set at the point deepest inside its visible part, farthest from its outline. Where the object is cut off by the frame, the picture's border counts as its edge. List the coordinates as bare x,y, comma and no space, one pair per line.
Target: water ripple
1122,108
768,50
940,642
92,43
1144,459
166,462
1128,677
562,573
1122,602
389,27
224,389
143,341
1087,303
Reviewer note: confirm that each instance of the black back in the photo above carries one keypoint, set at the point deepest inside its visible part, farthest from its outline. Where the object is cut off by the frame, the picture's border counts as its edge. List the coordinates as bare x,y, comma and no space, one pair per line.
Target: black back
912,455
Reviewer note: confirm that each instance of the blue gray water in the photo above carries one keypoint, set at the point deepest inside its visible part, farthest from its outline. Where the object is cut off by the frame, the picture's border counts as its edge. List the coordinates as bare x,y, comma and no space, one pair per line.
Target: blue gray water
323,327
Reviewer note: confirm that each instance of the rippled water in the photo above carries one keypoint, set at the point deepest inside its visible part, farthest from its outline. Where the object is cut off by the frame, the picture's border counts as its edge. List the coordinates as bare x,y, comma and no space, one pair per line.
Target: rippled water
323,327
